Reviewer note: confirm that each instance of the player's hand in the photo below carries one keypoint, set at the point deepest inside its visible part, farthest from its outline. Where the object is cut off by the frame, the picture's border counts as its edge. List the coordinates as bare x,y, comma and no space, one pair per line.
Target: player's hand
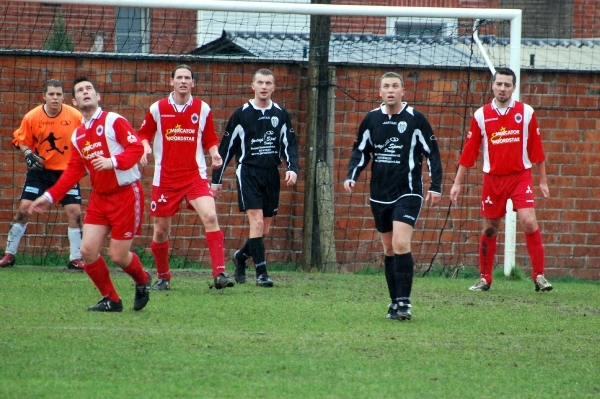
217,161
216,189
545,191
290,178
454,192
348,186
34,161
39,205
432,198
147,150
101,163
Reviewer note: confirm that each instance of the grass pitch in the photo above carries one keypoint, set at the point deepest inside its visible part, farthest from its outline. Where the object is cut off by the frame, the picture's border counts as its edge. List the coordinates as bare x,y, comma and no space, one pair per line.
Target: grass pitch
310,336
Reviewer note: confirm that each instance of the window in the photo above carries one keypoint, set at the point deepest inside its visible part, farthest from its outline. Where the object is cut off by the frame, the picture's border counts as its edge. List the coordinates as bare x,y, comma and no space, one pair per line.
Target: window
132,30
422,27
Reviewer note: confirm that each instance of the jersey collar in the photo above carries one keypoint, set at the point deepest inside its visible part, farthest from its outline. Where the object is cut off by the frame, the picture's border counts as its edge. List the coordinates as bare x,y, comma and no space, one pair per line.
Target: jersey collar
96,115
180,108
382,108
511,105
262,109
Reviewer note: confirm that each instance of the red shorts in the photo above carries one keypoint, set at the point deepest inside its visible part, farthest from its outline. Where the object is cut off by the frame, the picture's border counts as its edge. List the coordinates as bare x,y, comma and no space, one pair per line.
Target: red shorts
166,201
122,210
498,189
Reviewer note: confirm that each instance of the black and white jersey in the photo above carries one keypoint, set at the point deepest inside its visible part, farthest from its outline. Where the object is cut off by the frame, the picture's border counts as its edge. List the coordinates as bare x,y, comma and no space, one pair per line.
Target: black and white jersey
258,137
397,144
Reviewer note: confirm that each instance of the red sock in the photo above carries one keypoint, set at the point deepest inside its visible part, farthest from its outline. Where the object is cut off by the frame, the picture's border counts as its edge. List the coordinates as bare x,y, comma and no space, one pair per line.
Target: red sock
136,271
214,242
161,259
98,273
535,247
487,255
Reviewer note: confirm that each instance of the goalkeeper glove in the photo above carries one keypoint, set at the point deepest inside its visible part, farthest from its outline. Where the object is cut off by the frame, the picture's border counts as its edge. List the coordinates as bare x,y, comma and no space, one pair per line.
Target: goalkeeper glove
34,161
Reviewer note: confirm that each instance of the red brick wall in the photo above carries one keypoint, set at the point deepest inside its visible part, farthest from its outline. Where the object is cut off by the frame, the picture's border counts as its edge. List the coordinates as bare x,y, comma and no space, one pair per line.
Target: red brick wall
27,26
566,105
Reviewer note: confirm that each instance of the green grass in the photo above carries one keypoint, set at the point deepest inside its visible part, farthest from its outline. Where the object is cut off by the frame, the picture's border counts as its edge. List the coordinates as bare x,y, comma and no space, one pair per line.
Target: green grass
310,336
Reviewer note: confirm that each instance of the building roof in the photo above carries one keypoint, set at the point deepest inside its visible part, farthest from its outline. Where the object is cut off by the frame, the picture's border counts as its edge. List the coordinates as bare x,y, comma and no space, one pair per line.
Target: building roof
554,54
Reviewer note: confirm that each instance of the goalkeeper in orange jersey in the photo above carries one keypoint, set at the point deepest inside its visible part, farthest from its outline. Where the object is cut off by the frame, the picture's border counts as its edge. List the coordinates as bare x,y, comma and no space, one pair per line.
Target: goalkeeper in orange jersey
45,139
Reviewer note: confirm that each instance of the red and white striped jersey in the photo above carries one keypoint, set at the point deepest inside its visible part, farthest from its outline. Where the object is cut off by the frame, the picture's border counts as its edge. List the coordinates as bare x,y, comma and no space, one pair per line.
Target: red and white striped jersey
109,135
184,134
511,139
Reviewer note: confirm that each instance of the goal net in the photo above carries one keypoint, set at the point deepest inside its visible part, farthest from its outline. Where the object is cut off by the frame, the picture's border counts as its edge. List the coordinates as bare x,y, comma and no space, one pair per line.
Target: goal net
327,62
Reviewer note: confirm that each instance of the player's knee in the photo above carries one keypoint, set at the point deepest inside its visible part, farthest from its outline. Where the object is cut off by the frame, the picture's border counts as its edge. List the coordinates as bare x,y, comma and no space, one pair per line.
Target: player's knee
89,254
119,258
22,217
490,231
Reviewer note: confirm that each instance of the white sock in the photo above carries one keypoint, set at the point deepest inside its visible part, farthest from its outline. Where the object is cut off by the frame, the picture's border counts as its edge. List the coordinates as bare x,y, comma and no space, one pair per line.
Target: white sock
17,230
74,242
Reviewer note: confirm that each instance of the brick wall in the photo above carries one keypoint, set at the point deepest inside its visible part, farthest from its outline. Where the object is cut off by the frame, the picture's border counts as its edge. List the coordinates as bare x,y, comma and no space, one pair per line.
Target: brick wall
566,105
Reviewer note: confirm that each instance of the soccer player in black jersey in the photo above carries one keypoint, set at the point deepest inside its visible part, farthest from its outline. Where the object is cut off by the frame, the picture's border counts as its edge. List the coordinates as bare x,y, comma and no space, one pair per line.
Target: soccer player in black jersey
397,136
259,134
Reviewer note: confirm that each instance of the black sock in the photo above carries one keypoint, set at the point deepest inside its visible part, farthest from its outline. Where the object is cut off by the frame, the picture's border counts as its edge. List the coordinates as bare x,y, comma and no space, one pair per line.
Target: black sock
388,262
245,251
257,251
403,271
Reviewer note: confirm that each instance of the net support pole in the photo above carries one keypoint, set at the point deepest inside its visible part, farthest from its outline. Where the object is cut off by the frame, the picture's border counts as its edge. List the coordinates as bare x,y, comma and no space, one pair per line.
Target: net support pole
510,222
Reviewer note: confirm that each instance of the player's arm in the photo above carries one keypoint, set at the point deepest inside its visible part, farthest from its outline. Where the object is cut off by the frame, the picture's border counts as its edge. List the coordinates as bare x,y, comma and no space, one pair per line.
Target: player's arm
24,140
33,160
227,147
360,156
132,148
146,133
456,187
469,154
434,163
73,173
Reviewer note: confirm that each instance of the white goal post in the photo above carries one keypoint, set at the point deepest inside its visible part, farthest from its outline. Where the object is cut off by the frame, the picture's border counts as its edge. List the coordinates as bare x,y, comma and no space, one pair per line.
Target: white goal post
514,16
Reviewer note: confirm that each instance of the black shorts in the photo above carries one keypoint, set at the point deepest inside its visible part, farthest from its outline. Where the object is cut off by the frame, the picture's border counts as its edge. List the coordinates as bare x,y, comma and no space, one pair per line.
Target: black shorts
405,209
258,188
38,181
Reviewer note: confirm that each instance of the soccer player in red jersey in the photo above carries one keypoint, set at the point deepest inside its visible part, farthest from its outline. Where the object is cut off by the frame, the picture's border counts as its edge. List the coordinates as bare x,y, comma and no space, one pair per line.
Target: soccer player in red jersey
509,132
45,138
107,148
181,129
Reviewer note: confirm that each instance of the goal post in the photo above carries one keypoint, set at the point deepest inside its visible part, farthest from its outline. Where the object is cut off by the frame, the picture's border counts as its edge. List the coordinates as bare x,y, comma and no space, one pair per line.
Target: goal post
513,16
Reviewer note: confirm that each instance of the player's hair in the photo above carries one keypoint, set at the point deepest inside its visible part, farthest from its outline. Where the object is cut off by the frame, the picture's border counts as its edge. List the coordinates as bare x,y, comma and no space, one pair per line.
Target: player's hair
265,72
507,72
53,83
80,79
182,66
392,75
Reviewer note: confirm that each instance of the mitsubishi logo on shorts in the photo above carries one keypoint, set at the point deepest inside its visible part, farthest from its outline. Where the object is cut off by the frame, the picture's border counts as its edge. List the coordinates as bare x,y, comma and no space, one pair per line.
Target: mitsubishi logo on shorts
528,191
162,198
488,201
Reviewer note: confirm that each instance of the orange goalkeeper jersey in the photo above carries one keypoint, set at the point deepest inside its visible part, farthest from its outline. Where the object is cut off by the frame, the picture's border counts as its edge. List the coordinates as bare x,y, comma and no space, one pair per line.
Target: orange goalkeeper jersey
49,137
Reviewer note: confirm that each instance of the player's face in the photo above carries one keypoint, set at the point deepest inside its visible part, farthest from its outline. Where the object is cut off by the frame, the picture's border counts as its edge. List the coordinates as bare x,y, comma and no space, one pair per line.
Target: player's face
263,86
54,97
391,91
182,82
86,97
503,88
